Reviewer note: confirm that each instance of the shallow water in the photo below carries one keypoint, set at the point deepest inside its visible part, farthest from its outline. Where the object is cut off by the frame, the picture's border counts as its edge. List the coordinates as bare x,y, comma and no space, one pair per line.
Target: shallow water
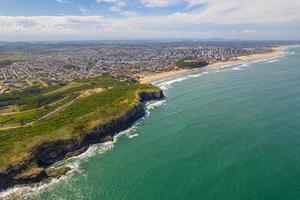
226,133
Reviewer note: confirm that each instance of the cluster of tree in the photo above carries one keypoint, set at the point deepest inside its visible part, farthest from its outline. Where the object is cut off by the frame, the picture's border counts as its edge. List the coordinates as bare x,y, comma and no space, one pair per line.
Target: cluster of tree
191,63
29,98
4,63
5,100
39,101
15,96
70,66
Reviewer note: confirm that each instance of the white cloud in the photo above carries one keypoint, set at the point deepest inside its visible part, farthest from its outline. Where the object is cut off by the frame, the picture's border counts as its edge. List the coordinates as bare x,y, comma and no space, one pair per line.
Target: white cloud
116,5
249,17
106,1
129,13
115,9
159,3
61,1
236,11
82,9
255,11
247,31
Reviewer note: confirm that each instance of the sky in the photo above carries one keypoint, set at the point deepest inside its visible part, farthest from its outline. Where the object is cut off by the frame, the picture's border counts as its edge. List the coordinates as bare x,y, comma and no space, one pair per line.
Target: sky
56,20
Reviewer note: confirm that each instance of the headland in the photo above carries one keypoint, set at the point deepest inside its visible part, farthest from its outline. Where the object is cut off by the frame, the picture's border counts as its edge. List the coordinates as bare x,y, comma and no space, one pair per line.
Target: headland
40,126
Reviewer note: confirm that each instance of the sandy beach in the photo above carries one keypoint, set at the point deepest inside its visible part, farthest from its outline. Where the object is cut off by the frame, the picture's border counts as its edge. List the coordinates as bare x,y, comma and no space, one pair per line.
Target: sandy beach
148,78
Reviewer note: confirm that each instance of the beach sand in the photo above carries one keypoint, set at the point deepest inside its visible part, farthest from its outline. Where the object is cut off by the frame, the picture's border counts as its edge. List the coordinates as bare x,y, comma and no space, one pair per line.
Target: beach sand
148,78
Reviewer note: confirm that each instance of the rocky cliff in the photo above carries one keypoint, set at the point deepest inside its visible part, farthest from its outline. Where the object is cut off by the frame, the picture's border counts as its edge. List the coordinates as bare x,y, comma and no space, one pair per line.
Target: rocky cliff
49,153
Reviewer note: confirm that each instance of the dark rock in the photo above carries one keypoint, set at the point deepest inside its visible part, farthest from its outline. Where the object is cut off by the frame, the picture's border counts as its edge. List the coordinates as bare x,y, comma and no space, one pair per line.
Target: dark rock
51,152
56,173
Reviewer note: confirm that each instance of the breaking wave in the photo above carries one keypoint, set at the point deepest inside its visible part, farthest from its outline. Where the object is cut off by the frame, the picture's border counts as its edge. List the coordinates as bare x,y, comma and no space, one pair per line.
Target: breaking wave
273,61
74,163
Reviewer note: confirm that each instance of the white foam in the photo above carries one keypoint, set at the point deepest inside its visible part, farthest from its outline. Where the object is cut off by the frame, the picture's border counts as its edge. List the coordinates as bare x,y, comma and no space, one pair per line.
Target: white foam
195,75
236,68
260,60
133,136
164,88
167,84
273,61
25,191
152,105
74,163
292,52
224,66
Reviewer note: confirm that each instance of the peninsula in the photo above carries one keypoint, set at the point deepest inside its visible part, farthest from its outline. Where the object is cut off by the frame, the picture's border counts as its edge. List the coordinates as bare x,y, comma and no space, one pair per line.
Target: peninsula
42,125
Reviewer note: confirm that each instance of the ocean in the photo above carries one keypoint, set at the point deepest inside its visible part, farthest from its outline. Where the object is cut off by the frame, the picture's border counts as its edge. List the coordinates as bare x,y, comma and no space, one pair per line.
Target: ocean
231,132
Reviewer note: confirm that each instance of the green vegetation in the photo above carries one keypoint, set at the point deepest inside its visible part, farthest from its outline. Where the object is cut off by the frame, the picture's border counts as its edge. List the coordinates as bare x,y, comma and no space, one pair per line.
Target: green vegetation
191,63
7,59
61,112
35,97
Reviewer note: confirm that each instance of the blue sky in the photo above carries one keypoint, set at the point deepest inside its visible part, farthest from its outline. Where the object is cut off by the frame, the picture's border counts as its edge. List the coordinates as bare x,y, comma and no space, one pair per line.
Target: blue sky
29,20
82,7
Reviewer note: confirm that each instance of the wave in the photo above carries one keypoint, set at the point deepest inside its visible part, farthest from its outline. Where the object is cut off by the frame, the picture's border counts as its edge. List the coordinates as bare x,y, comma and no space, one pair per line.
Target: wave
195,75
273,61
236,68
133,136
31,190
74,163
224,66
152,105
292,52
261,60
25,191
165,85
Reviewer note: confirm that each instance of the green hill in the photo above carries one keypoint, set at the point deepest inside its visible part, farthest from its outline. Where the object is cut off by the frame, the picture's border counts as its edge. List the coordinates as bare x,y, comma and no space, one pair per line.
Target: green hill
191,63
60,114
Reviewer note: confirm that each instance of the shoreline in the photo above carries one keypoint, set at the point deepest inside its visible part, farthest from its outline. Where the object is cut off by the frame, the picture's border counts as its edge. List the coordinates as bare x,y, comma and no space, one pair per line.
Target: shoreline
53,152
35,187
160,76
276,51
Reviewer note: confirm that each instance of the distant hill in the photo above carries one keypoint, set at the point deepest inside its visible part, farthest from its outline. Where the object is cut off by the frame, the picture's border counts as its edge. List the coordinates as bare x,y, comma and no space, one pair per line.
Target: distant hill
191,63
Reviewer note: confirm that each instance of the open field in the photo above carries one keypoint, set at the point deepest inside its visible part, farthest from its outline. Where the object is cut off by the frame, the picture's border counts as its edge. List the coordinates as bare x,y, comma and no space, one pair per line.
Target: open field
191,63
61,112
6,59
12,57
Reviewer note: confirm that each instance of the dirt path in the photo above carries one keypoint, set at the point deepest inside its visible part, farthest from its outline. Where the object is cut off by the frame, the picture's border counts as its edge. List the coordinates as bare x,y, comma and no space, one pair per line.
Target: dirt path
83,95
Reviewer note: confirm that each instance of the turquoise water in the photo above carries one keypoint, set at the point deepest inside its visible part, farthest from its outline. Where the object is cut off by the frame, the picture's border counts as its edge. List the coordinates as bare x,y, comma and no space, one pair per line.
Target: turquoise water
228,133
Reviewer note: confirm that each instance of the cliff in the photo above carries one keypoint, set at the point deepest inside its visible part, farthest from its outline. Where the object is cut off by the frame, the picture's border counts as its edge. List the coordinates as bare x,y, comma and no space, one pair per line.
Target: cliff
35,169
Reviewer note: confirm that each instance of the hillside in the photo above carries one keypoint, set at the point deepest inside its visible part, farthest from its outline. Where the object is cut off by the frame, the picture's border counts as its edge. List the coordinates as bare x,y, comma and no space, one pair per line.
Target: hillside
40,126
191,63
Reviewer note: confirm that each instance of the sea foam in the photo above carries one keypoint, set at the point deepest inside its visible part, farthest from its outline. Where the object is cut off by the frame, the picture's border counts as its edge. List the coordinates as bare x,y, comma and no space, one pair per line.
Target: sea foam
74,163
273,61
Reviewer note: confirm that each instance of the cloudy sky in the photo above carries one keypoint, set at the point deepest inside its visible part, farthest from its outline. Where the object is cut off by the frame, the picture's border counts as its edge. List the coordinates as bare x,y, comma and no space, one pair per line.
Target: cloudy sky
31,20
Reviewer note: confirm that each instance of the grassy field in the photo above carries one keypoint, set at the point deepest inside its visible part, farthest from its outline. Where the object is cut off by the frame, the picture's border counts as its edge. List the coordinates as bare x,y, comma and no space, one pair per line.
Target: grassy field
6,59
191,63
74,115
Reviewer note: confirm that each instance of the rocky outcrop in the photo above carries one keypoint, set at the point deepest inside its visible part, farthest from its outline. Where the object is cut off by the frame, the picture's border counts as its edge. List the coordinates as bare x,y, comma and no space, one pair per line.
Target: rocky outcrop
49,153
150,96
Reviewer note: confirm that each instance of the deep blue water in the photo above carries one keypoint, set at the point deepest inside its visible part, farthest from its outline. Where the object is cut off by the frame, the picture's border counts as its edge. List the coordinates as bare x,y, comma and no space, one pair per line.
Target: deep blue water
226,133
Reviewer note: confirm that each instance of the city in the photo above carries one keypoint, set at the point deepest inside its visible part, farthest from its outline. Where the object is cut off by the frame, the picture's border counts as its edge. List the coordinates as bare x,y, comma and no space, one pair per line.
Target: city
62,63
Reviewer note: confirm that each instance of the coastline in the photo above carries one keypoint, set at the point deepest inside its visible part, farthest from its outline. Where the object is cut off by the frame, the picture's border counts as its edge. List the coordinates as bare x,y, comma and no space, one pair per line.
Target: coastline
149,78
52,152
114,129
154,77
